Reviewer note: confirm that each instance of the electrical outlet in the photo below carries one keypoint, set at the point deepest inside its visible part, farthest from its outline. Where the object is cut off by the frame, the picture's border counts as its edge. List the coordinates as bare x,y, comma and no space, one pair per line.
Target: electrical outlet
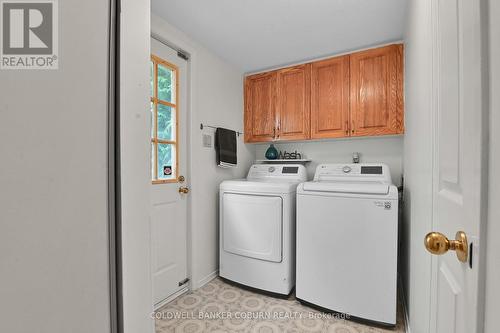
207,140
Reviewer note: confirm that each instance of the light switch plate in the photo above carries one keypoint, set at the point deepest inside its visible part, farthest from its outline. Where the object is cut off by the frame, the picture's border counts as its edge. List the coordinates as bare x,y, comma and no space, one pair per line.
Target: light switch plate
207,140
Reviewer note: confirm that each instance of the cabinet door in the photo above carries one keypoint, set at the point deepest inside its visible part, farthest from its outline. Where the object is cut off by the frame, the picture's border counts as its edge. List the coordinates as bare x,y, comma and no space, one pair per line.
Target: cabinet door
377,91
330,98
294,87
260,107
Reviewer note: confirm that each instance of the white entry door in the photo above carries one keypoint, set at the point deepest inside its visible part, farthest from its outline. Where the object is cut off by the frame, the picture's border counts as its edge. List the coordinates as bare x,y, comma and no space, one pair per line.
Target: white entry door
458,166
169,189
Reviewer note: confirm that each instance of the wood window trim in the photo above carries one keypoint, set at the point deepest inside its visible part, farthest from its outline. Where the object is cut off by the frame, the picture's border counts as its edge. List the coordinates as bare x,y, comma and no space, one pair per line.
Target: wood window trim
155,100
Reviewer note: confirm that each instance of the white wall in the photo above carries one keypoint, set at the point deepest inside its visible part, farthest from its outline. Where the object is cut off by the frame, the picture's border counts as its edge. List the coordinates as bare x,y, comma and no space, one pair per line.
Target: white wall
418,163
492,319
216,98
387,150
134,158
54,269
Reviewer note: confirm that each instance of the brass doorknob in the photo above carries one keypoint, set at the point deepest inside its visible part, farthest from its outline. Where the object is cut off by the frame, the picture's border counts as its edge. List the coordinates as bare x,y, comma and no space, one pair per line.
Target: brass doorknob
181,179
183,190
437,243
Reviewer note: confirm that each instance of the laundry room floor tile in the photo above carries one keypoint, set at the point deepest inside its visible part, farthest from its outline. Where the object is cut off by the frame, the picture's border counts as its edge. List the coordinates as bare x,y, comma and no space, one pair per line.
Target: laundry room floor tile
222,307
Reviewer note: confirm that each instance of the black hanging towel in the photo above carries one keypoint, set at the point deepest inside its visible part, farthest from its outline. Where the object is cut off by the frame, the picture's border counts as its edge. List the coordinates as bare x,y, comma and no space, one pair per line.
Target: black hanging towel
225,147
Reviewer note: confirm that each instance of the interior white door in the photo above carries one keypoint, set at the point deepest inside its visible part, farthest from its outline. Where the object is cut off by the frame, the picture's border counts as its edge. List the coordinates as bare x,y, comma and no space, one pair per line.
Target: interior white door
168,162
457,162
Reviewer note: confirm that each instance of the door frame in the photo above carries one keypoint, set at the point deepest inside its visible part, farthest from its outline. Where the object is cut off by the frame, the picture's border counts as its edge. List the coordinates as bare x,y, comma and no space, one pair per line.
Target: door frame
179,45
480,258
113,165
492,293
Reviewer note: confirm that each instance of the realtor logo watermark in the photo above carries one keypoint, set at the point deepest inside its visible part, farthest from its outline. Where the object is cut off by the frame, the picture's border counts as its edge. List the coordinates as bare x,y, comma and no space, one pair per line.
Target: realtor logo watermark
29,34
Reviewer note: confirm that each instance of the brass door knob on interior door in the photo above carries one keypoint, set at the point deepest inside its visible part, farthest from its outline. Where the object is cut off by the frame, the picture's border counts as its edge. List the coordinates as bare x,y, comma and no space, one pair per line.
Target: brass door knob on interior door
437,243
183,190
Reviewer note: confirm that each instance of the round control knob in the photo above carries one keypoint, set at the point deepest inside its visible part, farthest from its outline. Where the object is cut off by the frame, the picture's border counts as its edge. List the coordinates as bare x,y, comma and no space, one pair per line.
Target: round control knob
346,169
271,169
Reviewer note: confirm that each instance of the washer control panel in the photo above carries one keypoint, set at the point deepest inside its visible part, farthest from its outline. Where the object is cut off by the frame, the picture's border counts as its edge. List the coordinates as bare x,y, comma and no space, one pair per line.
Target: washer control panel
334,172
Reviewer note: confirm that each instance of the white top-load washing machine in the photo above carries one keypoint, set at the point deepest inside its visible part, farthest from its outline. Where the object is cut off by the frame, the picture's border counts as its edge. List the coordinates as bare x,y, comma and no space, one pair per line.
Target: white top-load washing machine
257,227
347,234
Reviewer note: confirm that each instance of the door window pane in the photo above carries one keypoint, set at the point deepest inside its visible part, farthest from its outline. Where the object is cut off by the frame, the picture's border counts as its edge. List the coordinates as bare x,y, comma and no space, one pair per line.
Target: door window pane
166,83
166,161
166,122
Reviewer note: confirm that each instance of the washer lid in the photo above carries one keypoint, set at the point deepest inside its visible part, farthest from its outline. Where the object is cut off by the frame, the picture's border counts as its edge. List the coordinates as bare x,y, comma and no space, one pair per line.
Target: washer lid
364,187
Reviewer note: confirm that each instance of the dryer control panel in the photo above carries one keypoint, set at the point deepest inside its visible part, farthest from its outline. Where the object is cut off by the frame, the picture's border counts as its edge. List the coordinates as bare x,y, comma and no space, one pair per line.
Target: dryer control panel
279,172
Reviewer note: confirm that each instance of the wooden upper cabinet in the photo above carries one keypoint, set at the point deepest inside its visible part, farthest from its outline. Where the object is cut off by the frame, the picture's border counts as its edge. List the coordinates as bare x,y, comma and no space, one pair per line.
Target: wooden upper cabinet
260,107
377,91
359,94
294,86
330,98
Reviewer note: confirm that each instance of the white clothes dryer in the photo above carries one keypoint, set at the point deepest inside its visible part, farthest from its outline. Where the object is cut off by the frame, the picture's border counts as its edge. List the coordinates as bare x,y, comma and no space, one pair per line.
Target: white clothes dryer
257,227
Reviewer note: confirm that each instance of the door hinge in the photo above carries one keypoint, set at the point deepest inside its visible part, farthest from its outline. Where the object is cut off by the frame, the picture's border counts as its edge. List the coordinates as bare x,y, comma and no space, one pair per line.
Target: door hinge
183,55
183,282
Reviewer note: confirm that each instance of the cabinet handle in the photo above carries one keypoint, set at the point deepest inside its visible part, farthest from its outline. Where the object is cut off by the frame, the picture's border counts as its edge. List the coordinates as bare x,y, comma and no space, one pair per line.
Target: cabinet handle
278,132
274,132
347,127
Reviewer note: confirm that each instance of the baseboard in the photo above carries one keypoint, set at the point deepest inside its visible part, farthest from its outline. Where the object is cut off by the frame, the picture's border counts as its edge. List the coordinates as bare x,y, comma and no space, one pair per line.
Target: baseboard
170,298
206,279
405,307
185,289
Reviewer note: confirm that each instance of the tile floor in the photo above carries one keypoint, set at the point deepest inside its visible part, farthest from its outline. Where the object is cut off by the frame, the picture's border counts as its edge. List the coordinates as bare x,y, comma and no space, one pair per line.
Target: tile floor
222,307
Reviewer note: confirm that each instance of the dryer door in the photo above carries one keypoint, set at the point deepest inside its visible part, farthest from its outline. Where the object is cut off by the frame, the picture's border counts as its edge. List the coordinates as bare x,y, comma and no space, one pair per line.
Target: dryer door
252,225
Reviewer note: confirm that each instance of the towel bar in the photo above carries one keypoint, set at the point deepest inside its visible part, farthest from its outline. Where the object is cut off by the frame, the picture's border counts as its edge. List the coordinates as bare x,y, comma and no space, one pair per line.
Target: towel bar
214,127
